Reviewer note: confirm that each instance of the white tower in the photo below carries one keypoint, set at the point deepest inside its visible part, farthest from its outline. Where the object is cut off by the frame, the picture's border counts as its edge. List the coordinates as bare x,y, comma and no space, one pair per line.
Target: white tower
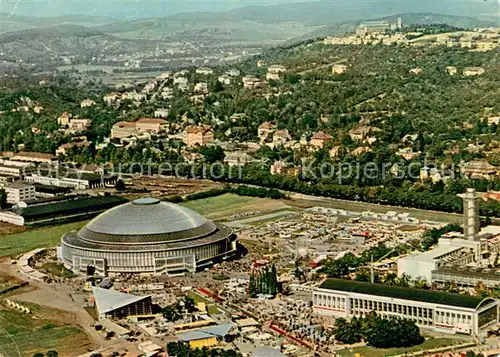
400,22
471,213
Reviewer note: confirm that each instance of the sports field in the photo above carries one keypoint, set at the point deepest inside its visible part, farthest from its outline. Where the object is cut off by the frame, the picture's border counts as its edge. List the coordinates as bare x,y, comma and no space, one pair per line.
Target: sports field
30,333
228,205
14,244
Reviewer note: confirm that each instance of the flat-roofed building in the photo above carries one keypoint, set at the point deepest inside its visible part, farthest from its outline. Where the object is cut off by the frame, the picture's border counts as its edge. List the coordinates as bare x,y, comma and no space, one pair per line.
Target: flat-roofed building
438,311
18,191
36,157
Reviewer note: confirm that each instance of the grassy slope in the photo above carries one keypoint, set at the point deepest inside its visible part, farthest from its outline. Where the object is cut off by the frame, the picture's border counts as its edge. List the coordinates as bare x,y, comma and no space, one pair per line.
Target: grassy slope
36,335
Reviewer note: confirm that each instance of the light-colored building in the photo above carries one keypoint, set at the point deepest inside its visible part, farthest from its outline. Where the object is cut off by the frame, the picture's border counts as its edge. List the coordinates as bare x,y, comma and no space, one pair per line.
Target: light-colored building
124,129
237,158
479,170
369,27
276,68
161,113
201,87
233,72
204,70
250,82
473,71
86,103
339,69
416,71
319,139
451,70
35,157
64,119
198,135
272,76
437,311
281,136
265,129
225,79
17,192
150,125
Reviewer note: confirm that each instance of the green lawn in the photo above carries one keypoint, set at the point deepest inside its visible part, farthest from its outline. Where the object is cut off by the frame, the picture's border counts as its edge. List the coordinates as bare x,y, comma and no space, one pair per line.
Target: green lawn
381,352
15,244
228,204
58,270
29,335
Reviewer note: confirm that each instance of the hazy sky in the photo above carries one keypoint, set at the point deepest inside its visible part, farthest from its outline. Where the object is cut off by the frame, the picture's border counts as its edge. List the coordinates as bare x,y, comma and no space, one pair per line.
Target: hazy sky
153,8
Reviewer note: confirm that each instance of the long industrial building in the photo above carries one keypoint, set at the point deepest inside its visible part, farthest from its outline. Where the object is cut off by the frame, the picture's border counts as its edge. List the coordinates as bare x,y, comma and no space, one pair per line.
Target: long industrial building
438,311
147,236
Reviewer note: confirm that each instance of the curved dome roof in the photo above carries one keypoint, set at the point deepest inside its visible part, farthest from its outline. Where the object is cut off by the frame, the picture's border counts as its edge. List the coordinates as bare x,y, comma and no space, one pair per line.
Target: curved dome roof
146,217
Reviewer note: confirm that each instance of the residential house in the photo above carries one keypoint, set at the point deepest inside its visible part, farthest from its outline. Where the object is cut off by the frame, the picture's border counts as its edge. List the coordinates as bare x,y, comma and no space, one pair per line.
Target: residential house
283,169
201,87
265,129
237,158
198,135
360,132
250,82
64,119
204,70
494,120
479,169
281,136
180,80
276,68
335,151
112,98
161,113
339,69
64,148
473,71
408,153
261,63
233,72
416,71
167,92
225,79
86,103
319,139
79,124
360,151
37,108
451,70
272,76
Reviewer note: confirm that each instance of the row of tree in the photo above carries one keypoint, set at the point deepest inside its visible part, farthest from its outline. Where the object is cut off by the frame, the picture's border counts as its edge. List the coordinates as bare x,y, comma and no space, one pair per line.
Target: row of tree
263,281
378,332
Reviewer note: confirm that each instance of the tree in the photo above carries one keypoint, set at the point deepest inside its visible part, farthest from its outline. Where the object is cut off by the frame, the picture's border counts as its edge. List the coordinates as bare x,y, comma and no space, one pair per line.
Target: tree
52,353
38,354
3,198
189,304
120,185
170,313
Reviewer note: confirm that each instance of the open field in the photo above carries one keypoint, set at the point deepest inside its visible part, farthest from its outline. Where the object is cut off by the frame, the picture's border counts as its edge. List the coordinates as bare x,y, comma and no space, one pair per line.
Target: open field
15,244
302,201
228,204
39,332
381,352
7,228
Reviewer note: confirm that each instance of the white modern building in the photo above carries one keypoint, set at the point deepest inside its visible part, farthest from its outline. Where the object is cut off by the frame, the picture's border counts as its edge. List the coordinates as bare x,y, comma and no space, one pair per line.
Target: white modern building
17,192
438,311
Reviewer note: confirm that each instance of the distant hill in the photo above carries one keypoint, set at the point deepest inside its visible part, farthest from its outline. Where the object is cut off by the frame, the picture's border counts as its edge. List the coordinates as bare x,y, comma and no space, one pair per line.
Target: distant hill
10,23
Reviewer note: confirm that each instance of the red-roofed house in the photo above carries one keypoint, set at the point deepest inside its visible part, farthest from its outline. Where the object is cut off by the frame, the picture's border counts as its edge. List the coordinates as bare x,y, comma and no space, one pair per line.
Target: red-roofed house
319,139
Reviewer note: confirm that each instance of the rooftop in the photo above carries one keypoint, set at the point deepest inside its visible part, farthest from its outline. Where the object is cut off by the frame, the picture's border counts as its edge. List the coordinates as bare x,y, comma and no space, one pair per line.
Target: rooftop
397,292
110,300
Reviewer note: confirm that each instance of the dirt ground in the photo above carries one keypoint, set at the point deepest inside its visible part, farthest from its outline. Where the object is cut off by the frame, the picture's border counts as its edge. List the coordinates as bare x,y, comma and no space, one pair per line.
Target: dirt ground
164,187
7,228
